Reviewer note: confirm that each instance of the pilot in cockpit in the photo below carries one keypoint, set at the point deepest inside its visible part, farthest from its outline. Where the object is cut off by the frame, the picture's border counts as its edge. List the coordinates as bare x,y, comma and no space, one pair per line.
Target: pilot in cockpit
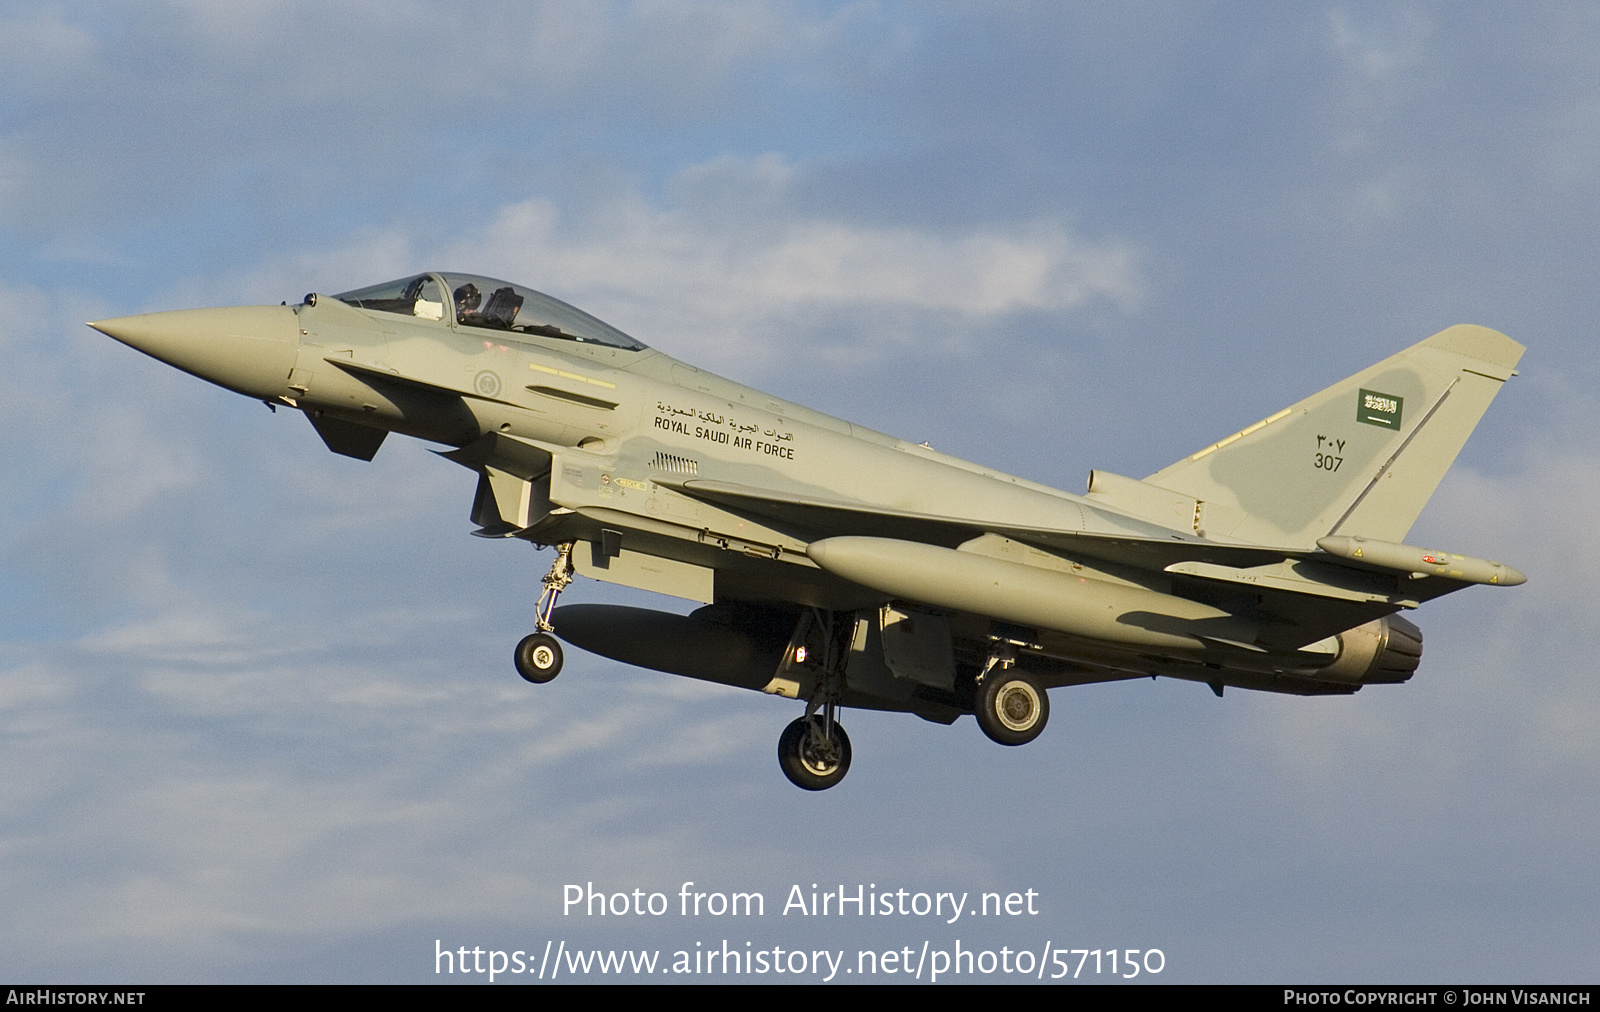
467,299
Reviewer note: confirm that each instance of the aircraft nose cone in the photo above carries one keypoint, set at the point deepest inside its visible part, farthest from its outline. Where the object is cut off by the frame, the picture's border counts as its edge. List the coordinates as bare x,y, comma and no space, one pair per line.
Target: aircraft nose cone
247,349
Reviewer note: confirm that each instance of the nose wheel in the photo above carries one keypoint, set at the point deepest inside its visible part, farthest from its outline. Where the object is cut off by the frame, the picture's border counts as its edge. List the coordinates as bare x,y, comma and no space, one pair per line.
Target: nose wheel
538,656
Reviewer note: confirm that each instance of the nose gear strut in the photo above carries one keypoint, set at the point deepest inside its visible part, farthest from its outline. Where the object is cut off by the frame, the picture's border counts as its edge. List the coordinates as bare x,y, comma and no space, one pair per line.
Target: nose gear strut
538,656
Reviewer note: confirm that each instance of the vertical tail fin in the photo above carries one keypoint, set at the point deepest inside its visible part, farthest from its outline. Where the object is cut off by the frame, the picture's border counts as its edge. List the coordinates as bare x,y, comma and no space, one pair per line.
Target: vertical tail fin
1361,457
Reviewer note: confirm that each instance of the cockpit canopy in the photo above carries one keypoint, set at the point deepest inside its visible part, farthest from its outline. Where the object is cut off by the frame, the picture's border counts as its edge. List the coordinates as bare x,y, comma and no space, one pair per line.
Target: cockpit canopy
472,301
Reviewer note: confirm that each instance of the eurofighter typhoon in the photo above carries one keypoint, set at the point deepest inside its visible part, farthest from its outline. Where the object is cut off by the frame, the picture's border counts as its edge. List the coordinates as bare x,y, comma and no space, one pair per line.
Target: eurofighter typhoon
842,567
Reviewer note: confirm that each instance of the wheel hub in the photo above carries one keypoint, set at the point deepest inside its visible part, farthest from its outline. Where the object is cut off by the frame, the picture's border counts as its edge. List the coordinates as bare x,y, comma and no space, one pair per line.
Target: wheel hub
819,755
1018,706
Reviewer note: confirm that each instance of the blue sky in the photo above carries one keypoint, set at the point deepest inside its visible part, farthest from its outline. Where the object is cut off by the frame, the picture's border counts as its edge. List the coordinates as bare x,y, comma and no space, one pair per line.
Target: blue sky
256,702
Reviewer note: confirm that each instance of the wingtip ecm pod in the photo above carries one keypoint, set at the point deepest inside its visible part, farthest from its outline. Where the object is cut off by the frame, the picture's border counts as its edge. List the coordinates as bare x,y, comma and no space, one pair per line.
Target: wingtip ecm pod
1421,561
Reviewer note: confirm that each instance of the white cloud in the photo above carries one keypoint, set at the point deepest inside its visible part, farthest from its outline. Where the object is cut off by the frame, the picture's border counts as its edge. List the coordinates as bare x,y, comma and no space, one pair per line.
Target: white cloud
1502,683
735,268
224,789
40,48
1538,517
291,720
29,684
705,283
157,112
1378,52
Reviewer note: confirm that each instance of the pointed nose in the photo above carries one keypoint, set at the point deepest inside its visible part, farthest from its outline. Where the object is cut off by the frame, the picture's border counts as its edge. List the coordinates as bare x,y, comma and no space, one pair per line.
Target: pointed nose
248,349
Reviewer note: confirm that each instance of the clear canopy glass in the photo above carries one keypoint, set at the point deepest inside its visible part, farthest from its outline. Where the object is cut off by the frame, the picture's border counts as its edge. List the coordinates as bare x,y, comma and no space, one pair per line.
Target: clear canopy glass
414,296
476,301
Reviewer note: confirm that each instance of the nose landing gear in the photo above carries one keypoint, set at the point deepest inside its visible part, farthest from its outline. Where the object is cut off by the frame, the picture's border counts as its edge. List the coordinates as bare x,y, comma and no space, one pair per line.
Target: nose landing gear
538,656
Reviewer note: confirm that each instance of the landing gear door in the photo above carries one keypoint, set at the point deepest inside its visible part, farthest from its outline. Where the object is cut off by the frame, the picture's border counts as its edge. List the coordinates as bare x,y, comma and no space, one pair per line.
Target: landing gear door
917,646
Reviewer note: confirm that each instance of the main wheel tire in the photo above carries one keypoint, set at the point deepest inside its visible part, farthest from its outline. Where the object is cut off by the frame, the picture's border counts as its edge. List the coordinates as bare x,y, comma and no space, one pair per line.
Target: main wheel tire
538,658
1012,708
809,761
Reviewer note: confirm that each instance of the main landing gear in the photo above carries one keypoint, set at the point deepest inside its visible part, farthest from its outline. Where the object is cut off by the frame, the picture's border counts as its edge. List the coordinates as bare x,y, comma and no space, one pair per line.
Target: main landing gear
1011,706
814,754
814,751
538,656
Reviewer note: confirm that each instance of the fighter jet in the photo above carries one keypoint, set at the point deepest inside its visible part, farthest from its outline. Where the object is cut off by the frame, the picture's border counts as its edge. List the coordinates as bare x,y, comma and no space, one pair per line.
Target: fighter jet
842,567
